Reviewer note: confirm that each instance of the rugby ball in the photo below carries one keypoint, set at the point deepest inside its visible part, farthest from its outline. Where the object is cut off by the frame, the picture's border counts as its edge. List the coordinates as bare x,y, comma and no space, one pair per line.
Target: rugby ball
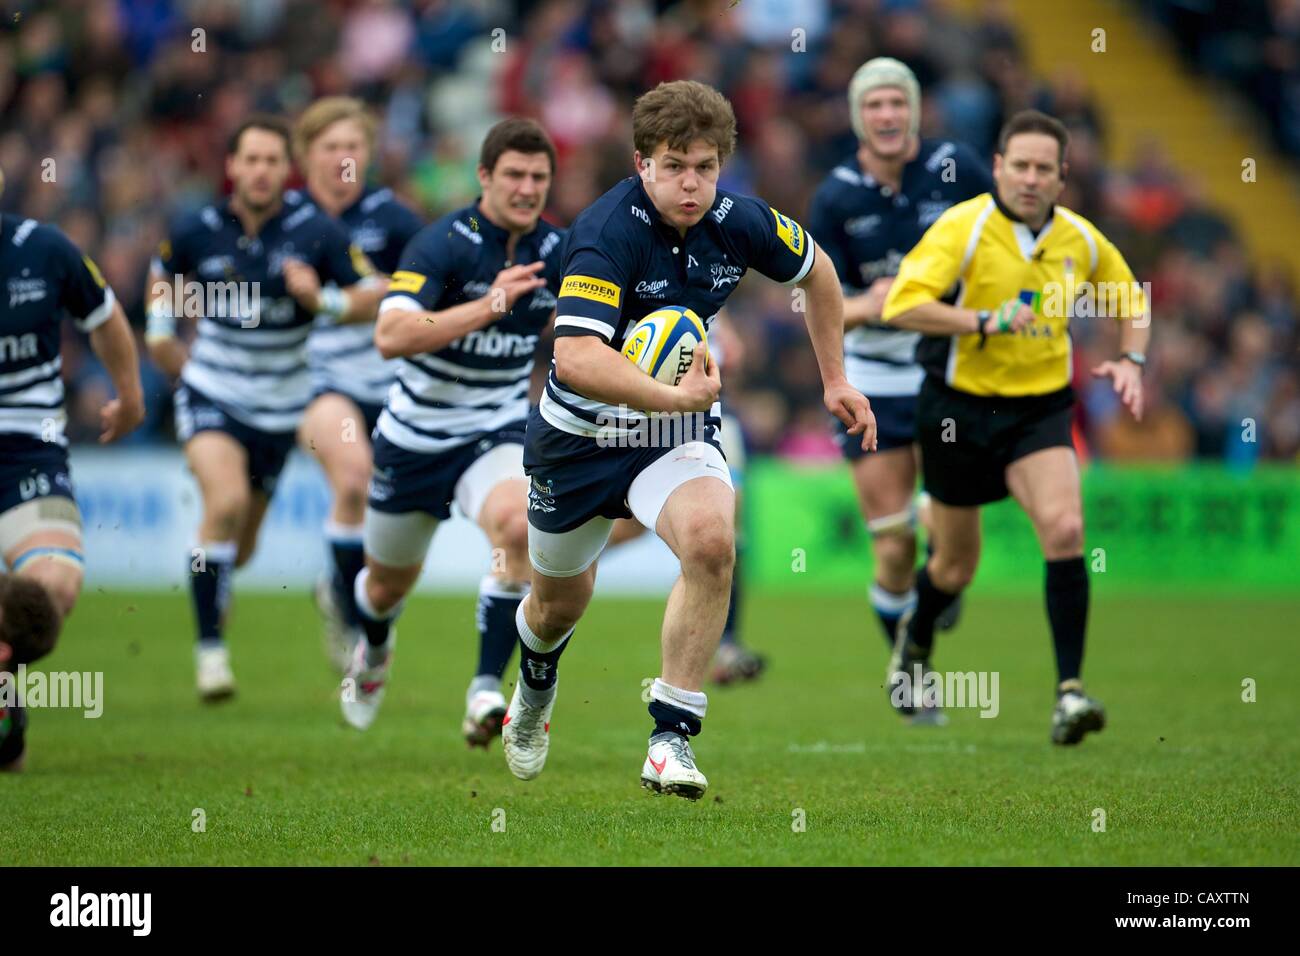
663,343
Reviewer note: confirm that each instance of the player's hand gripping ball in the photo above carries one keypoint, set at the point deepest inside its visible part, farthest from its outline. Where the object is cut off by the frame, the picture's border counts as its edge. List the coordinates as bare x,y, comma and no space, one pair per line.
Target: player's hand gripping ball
663,343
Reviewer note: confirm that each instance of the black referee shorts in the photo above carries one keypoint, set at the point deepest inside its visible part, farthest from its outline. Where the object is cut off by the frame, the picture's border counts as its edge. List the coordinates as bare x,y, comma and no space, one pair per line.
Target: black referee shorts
967,441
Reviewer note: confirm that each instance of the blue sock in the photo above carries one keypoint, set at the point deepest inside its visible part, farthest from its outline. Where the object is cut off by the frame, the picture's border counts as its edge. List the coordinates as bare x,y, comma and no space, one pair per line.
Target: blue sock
676,711
538,659
889,607
348,558
375,625
211,567
498,602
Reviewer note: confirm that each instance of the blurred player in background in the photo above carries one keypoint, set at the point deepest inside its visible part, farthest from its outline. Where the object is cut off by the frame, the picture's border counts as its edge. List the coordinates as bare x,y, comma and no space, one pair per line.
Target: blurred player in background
734,662
664,236
464,312
995,409
256,264
867,214
333,140
29,627
47,277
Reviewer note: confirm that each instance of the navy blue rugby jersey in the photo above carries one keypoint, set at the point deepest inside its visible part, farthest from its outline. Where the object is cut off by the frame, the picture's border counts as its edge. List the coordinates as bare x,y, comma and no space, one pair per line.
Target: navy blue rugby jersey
478,383
866,228
46,277
343,358
622,261
250,355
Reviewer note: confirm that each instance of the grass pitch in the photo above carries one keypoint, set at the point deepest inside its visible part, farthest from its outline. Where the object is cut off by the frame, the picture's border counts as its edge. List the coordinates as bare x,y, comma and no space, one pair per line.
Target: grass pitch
809,766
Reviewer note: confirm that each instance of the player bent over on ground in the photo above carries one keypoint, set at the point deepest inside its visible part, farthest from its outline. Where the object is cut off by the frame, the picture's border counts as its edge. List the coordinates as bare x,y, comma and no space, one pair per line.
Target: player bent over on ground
40,525
667,236
994,412
464,312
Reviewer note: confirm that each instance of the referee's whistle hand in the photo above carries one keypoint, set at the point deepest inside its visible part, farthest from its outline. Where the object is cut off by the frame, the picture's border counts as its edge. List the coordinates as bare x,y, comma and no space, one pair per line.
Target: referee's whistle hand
852,408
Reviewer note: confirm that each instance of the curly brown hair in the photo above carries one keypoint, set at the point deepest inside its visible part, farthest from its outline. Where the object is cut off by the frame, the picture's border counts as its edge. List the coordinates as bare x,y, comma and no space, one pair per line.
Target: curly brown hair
681,112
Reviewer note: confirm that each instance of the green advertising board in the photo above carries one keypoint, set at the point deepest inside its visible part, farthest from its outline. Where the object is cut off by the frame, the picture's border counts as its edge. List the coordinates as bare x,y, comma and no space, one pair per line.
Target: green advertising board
1183,529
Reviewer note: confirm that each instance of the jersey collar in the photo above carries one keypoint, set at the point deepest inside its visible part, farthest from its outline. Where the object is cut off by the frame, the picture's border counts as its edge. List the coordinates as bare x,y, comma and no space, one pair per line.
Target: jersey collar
1026,238
228,214
491,230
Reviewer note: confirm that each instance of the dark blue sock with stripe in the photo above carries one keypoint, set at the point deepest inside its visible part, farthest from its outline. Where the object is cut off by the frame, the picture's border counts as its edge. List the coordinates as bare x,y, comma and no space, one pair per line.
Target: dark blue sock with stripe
211,568
347,557
498,602
538,659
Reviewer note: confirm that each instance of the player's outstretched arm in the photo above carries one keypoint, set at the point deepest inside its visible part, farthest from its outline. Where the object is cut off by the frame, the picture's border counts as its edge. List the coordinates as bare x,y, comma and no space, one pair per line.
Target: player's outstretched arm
825,320
402,331
585,364
114,344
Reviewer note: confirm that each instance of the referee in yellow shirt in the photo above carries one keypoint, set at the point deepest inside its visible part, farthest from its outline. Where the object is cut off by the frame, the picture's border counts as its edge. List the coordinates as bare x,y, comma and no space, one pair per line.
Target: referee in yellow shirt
993,285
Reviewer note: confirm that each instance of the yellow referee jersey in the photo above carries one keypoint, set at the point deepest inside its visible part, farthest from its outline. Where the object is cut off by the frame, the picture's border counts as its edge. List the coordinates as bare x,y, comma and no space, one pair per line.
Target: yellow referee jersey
976,256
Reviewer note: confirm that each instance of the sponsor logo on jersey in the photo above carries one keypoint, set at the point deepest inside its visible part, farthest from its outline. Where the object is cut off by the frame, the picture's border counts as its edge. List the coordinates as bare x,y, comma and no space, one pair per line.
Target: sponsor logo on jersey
862,225
927,212
14,348
652,289
724,275
724,207
25,290
471,234
94,271
790,232
597,290
641,214
403,281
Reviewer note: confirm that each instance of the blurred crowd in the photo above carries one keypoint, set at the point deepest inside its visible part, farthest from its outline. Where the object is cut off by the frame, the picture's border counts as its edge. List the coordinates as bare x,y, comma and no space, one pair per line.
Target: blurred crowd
116,114
1252,44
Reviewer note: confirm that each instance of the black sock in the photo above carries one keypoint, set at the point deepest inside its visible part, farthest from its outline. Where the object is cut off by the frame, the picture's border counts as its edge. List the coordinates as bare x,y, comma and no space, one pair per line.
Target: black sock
374,625
497,635
733,609
670,719
211,567
539,669
348,557
930,603
1067,611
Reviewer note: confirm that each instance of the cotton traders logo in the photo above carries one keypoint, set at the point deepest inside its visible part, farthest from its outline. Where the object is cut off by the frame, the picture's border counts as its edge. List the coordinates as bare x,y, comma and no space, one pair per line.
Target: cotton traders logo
25,290
724,275
653,289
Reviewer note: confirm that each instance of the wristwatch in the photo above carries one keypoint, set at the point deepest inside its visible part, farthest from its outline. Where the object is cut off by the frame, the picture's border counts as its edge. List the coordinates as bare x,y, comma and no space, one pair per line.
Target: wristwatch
1137,358
982,317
